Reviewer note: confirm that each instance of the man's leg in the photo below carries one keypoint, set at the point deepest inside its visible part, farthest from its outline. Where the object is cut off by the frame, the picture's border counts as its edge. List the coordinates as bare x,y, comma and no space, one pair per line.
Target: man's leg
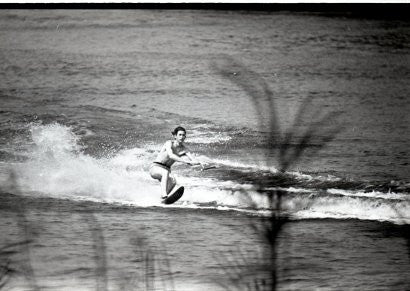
171,183
164,184
166,180
167,184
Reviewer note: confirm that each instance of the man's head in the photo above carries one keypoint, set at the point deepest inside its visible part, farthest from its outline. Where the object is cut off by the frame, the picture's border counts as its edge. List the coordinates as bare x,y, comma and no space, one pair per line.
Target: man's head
179,128
179,133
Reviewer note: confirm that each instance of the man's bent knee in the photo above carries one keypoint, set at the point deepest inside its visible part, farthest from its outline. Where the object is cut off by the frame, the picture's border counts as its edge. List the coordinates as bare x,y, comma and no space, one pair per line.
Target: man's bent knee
157,173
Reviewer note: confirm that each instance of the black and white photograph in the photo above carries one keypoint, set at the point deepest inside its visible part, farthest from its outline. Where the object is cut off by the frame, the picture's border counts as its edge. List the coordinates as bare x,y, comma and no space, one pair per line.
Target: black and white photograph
195,147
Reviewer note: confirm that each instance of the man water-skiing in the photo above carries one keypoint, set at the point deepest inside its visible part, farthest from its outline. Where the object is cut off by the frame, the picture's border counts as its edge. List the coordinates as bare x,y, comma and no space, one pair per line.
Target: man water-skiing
172,151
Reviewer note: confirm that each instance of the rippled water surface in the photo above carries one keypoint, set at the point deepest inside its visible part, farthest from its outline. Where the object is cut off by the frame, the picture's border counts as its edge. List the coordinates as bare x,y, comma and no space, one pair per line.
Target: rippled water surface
88,98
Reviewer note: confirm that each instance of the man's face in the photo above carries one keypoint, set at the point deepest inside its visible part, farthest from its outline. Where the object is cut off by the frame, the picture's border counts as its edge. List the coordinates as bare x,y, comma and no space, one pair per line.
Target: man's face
180,136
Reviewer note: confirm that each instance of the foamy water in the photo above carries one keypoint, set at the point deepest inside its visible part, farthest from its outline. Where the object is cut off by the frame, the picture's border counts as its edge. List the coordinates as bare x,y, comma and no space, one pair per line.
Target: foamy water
58,167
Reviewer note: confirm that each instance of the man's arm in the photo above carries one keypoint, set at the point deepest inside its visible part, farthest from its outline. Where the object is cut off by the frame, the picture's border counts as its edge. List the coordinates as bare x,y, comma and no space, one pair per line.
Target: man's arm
192,159
171,155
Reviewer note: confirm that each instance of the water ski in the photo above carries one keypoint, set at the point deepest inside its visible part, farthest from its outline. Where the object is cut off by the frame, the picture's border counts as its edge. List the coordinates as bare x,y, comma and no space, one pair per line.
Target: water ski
174,196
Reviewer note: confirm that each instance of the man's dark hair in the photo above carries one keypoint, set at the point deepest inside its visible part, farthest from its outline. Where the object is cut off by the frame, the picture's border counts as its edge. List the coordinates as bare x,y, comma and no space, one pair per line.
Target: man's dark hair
179,128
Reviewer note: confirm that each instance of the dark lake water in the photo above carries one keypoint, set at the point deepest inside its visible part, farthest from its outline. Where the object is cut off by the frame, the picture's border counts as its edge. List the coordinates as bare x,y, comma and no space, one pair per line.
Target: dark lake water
88,97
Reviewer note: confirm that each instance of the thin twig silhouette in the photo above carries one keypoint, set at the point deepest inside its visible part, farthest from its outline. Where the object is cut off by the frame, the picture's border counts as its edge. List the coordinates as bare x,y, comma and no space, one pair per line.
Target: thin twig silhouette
289,147
153,269
100,254
22,247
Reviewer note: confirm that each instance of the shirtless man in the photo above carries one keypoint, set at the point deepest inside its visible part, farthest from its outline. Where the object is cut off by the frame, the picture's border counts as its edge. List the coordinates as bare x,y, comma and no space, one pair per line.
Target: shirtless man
172,151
